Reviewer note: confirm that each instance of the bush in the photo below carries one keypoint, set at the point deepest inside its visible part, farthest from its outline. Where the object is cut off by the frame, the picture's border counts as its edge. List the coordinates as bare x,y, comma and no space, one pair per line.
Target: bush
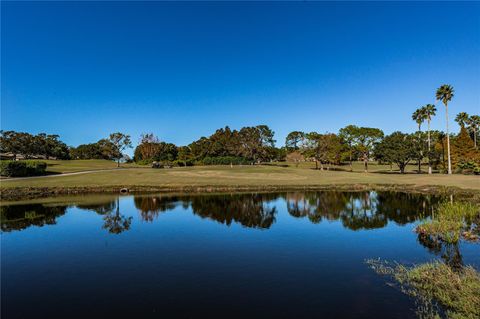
469,167
145,162
35,168
183,163
225,160
22,168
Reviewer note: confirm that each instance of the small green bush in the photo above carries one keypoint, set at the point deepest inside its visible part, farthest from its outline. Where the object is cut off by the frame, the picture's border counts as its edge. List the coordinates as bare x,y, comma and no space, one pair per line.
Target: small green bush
469,167
145,162
22,168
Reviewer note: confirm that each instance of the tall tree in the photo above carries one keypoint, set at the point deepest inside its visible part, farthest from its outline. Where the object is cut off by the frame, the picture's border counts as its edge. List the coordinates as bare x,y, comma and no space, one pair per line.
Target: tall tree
365,140
419,117
473,125
11,142
120,142
445,94
184,155
462,119
429,110
398,148
348,134
293,140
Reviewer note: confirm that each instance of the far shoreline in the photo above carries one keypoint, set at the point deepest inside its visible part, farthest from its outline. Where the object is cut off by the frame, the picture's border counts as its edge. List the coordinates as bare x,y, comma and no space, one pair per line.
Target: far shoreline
14,194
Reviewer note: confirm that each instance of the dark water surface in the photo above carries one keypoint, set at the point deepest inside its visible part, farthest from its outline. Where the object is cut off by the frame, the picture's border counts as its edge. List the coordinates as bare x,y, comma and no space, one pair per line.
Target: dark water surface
285,255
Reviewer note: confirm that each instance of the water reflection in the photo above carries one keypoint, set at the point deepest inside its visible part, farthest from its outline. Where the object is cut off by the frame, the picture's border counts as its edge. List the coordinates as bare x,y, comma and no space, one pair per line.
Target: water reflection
313,243
151,207
360,210
18,217
249,210
115,222
449,252
356,210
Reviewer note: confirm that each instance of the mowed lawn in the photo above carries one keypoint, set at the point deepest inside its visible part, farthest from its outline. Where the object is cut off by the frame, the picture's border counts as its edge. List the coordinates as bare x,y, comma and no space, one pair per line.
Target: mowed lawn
54,166
258,175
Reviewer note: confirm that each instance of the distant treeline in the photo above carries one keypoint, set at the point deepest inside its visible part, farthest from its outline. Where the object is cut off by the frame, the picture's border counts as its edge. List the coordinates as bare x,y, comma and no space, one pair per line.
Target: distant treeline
256,144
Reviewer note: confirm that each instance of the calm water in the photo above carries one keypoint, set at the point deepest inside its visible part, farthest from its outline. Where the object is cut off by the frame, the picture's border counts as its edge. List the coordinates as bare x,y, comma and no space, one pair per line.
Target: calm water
285,255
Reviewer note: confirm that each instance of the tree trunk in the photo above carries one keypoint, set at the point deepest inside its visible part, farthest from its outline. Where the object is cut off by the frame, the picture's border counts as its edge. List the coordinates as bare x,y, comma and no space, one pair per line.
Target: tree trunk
421,152
429,154
351,167
448,142
475,136
316,164
365,163
118,163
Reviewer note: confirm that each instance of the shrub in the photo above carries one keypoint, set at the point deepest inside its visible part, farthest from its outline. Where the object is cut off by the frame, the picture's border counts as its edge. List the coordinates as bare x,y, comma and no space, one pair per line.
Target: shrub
225,160
145,162
469,167
183,163
35,168
22,168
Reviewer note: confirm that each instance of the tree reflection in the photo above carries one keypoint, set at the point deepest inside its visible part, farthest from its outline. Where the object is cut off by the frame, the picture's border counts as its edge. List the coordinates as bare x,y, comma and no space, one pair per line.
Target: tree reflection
359,210
449,252
116,223
18,217
99,208
362,212
248,210
356,210
150,207
316,206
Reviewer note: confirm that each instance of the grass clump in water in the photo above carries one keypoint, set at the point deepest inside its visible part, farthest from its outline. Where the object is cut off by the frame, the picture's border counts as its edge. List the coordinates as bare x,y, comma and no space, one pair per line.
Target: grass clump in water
451,222
439,290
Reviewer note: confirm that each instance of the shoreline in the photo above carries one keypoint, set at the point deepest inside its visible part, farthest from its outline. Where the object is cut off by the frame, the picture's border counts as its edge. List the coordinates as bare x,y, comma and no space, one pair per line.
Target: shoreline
12,194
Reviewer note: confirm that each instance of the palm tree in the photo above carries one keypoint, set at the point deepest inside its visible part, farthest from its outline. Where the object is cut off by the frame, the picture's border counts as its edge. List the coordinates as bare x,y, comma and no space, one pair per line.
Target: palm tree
419,116
473,124
445,94
462,119
429,110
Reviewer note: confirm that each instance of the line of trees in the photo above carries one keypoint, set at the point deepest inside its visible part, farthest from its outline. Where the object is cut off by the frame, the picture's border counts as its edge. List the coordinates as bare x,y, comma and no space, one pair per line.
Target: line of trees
30,146
256,144
253,144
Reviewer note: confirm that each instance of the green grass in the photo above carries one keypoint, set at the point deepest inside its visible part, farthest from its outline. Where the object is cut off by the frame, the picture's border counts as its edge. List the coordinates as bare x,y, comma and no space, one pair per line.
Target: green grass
258,175
357,166
457,292
70,166
452,221
59,166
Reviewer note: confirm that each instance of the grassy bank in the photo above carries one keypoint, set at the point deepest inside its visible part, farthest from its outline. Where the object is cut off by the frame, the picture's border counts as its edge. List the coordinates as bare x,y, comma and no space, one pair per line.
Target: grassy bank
451,222
436,287
225,178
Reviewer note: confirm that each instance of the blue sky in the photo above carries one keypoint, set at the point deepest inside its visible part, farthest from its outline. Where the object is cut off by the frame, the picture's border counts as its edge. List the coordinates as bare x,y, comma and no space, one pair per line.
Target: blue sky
182,70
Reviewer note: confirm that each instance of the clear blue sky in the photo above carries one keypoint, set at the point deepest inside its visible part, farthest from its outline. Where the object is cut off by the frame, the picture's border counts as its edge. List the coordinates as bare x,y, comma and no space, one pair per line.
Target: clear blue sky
182,70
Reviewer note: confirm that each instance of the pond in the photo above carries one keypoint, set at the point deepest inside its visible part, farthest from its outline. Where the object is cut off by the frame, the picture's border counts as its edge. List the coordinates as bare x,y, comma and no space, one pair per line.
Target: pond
256,255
